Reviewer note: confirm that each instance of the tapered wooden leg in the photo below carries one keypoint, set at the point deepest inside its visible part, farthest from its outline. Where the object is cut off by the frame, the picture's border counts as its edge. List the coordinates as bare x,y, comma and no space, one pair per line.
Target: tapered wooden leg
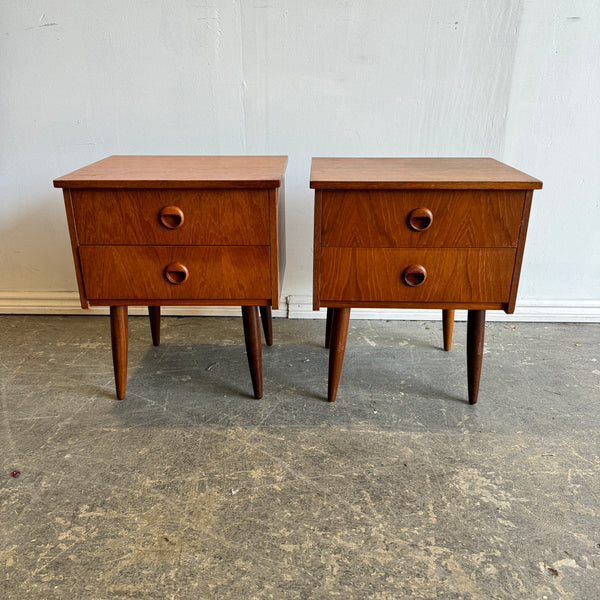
253,347
475,335
154,314
266,317
338,337
119,339
448,325
328,327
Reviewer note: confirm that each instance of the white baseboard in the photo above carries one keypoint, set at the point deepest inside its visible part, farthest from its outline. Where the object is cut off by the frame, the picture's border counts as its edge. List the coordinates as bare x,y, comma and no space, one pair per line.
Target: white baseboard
300,307
67,303
560,311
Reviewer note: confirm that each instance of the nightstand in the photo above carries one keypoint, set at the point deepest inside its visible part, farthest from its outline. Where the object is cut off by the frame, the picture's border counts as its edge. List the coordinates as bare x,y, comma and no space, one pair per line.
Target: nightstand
443,233
178,230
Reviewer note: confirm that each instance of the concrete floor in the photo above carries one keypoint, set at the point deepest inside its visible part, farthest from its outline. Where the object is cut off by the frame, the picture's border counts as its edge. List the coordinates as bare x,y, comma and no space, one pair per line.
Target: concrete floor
190,488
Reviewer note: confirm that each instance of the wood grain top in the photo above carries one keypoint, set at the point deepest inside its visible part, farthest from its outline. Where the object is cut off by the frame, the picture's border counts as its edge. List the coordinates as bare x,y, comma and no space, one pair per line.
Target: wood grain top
417,173
178,172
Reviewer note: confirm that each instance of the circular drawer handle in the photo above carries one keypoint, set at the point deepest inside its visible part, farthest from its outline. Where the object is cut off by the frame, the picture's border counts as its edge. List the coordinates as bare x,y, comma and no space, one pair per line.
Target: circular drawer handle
420,219
171,217
176,273
414,275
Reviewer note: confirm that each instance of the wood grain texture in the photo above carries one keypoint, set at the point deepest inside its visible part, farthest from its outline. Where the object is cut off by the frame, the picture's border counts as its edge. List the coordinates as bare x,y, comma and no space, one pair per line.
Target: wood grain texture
407,304
417,173
328,326
253,348
277,243
219,217
120,341
281,244
448,327
475,339
317,248
195,302
215,272
179,172
453,275
154,315
418,233
178,230
520,251
266,316
75,247
464,218
339,336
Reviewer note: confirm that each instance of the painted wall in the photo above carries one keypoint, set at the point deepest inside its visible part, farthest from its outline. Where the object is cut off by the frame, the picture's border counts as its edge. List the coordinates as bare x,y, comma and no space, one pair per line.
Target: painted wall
553,130
514,79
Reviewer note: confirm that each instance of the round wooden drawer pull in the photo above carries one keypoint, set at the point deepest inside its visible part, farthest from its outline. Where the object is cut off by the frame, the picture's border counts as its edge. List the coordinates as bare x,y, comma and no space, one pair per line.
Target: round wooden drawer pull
171,217
414,275
176,273
420,219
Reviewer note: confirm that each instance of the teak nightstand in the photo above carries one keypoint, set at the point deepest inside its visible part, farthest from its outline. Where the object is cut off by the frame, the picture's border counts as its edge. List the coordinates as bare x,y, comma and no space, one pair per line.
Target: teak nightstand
442,233
179,230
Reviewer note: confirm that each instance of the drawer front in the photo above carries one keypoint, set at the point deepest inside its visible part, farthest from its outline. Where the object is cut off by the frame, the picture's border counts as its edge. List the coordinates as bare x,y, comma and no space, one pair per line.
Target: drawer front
159,272
171,217
422,218
381,275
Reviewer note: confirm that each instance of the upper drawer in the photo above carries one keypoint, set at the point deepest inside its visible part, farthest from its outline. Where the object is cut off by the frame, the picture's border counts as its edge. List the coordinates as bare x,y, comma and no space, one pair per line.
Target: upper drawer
419,218
174,217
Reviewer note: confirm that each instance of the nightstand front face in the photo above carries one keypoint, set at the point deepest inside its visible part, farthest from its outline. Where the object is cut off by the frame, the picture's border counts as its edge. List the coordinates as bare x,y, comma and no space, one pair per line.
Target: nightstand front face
431,233
442,233
177,230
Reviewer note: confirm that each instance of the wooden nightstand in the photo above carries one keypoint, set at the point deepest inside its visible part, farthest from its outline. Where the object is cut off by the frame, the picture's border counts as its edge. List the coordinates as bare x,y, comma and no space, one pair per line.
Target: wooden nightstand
441,233
179,230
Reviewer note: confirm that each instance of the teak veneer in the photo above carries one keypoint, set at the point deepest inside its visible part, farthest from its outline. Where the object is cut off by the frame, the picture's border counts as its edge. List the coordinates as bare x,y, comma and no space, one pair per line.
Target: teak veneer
179,230
442,233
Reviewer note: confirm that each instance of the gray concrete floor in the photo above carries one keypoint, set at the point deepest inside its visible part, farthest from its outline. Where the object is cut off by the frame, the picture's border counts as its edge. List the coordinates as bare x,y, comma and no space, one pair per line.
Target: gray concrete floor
190,488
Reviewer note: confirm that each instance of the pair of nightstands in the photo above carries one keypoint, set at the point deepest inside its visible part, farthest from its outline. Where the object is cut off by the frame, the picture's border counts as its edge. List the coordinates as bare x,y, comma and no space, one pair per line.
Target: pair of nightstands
441,233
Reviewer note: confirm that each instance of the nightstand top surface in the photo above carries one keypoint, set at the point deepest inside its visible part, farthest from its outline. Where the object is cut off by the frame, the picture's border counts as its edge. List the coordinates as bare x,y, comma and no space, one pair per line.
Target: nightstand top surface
150,171
417,173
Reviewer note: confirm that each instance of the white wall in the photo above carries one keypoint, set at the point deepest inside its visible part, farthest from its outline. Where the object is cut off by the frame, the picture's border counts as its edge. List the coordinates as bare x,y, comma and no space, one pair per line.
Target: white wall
553,130
516,80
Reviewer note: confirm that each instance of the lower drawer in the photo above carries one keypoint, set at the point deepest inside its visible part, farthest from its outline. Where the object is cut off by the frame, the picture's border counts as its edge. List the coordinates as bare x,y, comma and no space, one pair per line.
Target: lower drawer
412,275
175,272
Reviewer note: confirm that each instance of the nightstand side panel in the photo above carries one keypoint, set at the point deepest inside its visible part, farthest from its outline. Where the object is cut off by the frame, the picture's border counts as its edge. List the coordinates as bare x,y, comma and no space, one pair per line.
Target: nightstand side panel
75,247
